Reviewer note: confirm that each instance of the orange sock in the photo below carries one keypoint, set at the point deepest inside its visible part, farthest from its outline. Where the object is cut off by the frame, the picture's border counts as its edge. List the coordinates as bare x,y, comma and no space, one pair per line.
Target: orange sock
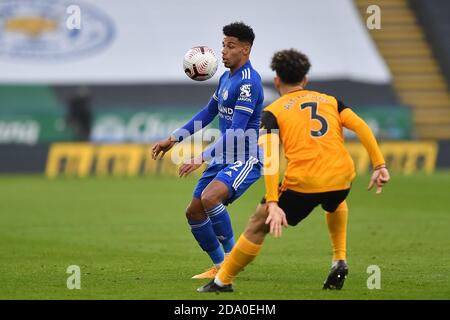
337,227
243,253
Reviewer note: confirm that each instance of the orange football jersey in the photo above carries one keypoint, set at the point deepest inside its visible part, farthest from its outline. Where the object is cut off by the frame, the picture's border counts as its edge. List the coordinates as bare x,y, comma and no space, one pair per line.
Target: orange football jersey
311,131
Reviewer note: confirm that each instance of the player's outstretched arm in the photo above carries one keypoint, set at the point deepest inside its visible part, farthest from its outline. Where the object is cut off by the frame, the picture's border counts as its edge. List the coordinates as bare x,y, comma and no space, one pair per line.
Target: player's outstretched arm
198,121
380,175
270,142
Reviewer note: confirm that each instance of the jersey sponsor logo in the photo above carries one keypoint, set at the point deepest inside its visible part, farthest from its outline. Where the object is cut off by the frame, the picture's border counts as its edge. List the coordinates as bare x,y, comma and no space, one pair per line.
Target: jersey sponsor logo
225,112
246,93
227,118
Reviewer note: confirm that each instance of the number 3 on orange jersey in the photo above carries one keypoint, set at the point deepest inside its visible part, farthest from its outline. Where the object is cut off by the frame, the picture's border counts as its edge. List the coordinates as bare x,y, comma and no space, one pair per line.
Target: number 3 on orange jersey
315,116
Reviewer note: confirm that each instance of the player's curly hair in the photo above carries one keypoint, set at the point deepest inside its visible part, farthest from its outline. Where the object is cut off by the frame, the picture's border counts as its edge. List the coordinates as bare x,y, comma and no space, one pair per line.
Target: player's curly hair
239,30
290,65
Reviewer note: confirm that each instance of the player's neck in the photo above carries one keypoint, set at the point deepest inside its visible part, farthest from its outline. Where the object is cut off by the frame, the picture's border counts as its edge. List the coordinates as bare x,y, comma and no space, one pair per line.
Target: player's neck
289,89
233,69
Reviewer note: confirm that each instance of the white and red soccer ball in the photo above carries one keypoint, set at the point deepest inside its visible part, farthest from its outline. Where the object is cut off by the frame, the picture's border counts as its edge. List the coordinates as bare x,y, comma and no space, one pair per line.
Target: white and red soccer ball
200,63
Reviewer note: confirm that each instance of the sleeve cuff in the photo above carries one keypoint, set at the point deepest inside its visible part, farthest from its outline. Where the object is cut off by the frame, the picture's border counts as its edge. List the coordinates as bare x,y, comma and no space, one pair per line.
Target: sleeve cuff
177,135
271,198
242,108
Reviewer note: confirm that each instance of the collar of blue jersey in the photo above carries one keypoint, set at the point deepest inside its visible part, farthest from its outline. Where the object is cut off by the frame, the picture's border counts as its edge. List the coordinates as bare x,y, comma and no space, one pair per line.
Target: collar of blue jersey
246,65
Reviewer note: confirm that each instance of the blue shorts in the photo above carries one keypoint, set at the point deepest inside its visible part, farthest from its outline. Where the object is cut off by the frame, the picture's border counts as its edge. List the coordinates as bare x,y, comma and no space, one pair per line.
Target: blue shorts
238,177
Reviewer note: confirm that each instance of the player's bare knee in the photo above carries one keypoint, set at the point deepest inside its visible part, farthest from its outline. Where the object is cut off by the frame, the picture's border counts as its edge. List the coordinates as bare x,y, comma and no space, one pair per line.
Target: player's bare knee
195,213
210,200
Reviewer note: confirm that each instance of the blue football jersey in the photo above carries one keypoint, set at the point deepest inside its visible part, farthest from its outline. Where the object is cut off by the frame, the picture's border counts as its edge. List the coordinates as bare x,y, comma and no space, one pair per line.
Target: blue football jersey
240,99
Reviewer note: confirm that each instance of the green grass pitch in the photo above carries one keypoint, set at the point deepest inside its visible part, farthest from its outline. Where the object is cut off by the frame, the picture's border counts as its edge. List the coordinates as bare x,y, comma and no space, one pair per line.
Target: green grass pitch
130,238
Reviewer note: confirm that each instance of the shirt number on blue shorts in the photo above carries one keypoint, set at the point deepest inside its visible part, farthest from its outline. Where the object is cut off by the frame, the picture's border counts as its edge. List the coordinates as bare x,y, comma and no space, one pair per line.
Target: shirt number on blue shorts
236,165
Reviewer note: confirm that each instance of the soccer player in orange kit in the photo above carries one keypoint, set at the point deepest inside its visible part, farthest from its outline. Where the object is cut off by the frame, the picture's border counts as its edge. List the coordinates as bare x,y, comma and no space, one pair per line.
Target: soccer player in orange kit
320,170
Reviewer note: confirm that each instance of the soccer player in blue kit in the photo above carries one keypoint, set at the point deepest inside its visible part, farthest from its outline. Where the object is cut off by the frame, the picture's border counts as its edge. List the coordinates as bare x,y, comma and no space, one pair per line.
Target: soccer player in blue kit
238,101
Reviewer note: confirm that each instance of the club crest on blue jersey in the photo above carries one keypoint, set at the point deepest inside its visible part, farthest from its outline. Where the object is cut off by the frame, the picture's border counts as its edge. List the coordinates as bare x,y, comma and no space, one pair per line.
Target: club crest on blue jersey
225,95
246,93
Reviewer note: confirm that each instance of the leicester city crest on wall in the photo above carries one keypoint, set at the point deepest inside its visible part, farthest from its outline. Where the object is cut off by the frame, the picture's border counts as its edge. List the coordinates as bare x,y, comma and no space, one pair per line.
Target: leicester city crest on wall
52,30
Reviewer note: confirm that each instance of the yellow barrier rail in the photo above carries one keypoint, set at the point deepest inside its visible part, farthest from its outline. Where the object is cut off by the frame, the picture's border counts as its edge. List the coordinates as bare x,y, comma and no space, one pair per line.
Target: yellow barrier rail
85,159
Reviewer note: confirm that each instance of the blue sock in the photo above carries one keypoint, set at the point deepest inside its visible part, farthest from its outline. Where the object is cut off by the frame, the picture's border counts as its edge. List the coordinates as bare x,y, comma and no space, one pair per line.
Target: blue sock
221,224
204,234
